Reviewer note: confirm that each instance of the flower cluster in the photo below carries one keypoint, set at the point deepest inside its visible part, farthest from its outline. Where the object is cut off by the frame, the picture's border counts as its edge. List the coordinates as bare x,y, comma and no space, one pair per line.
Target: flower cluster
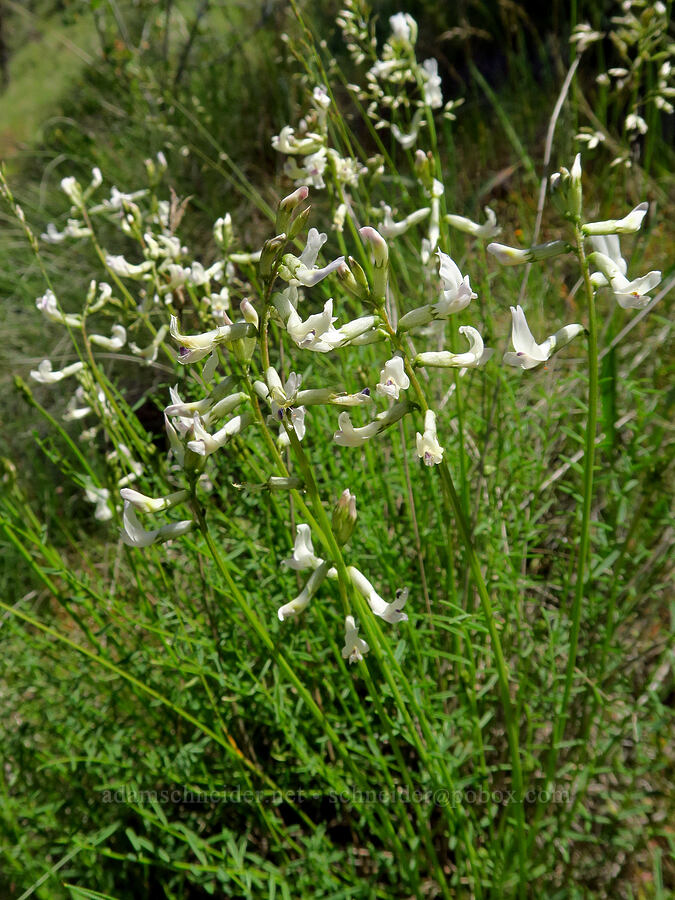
245,330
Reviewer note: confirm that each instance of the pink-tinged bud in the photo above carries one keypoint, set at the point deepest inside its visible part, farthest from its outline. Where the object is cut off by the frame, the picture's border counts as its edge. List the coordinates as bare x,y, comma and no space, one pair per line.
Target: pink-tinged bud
287,207
248,312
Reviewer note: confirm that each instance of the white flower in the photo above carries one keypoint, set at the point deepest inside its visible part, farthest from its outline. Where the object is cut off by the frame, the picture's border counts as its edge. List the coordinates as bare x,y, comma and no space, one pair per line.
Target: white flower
100,497
428,448
636,123
609,245
628,225
150,504
311,171
281,396
432,83
590,138
348,436
73,411
74,229
71,188
205,444
513,256
358,331
45,375
528,354
629,294
295,272
393,379
489,230
134,535
355,647
316,332
116,342
390,612
47,304
120,266
403,28
302,600
303,552
476,356
296,415
207,340
583,35
286,142
149,353
410,139
456,293
118,200
390,228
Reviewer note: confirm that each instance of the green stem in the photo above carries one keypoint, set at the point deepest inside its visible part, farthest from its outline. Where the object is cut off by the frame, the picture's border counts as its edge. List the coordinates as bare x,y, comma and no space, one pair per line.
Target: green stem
455,504
589,459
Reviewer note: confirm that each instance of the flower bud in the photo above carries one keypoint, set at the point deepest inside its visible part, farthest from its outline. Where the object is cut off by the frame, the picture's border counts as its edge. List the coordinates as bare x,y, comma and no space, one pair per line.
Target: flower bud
380,259
248,312
287,207
423,168
344,517
566,190
269,254
223,232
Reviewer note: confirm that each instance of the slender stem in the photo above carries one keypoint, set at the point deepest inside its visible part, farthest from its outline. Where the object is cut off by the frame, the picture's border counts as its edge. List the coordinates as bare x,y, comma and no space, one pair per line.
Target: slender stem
589,459
454,502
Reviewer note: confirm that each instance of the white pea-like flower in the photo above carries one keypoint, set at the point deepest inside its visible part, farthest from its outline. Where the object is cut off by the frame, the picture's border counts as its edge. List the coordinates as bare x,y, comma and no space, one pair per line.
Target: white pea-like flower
456,293
528,353
117,340
120,266
433,96
316,332
153,504
476,356
629,294
393,379
389,228
390,612
47,304
428,448
348,436
100,497
630,223
134,535
44,373
486,231
303,551
287,142
355,648
303,599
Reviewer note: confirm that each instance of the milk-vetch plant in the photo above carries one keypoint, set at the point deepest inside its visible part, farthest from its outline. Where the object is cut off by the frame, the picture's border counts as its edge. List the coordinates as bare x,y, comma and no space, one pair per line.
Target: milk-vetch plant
294,361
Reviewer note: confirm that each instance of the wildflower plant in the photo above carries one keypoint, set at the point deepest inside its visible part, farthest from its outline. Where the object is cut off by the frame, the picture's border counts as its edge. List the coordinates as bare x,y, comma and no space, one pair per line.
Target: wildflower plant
294,364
